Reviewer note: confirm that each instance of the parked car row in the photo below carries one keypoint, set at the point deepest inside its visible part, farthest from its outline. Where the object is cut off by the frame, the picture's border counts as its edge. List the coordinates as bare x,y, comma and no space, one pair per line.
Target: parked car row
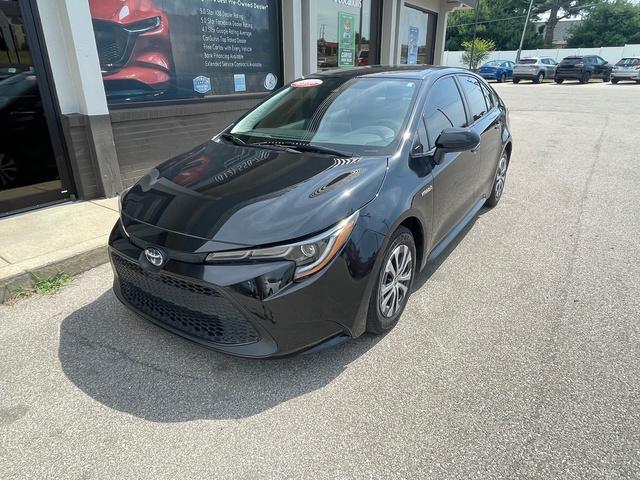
582,68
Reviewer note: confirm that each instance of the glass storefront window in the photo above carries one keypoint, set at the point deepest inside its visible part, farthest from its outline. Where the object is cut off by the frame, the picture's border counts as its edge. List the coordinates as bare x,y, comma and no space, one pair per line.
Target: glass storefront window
29,174
417,33
344,33
153,50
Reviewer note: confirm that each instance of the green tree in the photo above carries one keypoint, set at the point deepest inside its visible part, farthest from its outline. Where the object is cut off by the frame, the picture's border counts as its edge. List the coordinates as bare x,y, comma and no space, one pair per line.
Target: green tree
500,21
476,52
557,10
610,24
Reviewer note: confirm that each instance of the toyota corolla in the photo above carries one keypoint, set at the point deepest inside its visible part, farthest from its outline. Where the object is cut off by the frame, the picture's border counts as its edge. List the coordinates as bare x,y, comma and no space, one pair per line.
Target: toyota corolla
306,221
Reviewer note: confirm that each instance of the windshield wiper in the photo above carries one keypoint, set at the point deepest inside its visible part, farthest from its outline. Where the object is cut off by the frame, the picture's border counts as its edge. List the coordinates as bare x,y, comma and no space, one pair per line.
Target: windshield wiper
266,145
233,139
307,147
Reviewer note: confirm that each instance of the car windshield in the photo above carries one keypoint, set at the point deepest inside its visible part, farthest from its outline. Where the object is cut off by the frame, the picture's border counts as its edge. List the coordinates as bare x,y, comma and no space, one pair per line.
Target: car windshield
359,115
528,61
495,63
629,62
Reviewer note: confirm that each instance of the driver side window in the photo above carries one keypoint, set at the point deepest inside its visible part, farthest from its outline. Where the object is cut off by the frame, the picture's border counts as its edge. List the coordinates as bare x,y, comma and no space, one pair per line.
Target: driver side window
444,109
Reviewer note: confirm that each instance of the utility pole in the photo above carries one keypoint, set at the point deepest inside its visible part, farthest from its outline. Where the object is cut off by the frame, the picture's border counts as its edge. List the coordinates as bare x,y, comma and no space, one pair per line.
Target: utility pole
475,34
524,31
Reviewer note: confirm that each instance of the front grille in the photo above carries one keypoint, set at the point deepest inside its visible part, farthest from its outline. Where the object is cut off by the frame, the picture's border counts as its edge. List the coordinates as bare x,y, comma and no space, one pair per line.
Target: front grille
197,310
113,44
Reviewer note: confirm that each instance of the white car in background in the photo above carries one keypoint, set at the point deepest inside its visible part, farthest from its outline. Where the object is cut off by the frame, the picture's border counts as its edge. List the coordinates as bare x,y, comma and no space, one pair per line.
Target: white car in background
626,69
535,69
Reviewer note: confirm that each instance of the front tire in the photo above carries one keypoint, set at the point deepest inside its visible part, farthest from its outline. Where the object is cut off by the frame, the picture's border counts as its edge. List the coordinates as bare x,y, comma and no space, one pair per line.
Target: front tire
539,78
614,81
516,80
499,180
502,78
559,80
393,286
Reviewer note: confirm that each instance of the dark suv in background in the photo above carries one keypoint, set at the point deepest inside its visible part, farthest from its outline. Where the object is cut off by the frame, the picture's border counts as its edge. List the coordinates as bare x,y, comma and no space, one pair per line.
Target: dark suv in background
583,68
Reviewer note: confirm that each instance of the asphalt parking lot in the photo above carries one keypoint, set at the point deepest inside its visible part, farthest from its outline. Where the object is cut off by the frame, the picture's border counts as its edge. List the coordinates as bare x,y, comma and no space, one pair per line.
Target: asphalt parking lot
517,357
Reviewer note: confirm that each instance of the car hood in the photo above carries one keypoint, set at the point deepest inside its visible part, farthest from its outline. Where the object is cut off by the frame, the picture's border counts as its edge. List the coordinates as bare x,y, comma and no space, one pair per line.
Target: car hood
123,11
246,196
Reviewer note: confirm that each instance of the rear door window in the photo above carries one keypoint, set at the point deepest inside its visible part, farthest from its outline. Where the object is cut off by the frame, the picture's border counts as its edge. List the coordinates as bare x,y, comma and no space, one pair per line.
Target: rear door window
444,109
475,97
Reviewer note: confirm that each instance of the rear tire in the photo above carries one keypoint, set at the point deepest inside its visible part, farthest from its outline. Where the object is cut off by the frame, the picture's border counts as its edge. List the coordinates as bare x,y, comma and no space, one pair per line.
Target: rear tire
393,283
502,78
539,78
614,81
516,80
606,78
499,181
559,80
586,76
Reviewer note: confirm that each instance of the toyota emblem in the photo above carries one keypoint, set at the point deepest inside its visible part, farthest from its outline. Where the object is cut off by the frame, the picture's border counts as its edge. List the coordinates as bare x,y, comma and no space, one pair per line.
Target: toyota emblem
155,256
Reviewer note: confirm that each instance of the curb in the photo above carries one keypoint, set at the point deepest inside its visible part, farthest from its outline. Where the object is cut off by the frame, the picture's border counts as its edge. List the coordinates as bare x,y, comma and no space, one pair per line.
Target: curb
72,265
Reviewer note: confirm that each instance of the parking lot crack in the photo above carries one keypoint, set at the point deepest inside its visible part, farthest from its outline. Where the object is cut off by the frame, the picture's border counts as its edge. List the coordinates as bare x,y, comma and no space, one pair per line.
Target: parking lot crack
126,356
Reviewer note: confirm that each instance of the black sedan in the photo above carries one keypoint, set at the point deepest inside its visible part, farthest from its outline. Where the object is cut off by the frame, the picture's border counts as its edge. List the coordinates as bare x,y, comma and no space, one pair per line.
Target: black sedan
306,221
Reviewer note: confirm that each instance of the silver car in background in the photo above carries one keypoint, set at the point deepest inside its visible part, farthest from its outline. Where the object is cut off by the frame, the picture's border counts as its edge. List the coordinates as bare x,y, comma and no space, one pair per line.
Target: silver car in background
626,69
535,69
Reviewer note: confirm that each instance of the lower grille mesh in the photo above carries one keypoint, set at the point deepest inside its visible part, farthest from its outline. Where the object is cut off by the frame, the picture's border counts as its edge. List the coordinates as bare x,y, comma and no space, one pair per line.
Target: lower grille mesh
196,310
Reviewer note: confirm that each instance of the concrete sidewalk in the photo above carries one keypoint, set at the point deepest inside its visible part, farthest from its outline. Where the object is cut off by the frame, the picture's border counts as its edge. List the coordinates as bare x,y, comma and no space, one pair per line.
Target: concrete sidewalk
68,238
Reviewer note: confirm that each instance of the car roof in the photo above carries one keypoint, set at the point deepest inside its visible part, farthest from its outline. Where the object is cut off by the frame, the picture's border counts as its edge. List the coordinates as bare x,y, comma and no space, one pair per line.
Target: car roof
416,72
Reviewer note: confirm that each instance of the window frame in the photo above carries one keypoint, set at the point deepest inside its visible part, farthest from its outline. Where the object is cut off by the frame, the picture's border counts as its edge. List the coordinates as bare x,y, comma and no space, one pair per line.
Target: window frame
432,20
470,119
432,142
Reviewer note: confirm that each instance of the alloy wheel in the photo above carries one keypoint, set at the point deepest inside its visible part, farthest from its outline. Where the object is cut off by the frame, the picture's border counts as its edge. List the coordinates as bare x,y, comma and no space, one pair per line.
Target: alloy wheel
396,280
501,176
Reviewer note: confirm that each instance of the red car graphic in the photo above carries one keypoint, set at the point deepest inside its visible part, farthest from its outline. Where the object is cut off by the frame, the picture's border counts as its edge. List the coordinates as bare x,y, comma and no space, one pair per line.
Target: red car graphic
134,47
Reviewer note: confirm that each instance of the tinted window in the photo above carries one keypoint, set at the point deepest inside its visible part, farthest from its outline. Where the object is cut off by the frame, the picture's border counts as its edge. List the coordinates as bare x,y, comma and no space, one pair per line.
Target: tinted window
475,96
487,96
366,115
444,108
628,62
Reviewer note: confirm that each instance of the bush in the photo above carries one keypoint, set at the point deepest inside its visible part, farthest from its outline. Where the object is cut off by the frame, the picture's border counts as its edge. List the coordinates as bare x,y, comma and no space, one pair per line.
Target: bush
481,52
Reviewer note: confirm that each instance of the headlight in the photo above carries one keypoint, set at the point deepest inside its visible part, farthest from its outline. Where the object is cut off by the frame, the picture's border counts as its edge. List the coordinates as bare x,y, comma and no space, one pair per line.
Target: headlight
143,25
310,255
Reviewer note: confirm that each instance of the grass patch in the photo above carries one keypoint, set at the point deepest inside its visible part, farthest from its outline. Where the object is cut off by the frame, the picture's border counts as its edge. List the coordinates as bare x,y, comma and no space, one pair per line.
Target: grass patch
43,286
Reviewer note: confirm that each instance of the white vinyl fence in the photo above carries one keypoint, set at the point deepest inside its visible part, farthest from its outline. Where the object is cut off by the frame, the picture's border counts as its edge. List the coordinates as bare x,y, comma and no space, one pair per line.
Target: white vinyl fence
610,54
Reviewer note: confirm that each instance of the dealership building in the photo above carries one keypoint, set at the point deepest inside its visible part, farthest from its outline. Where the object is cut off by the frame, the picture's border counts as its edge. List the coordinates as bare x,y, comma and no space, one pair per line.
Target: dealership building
93,93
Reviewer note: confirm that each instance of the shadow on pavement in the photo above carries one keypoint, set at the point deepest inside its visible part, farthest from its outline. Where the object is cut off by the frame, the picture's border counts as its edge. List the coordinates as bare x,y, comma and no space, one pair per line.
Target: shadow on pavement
128,364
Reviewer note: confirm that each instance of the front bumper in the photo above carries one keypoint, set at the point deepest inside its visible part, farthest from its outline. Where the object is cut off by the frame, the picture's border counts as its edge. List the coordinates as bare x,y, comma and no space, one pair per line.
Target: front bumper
249,310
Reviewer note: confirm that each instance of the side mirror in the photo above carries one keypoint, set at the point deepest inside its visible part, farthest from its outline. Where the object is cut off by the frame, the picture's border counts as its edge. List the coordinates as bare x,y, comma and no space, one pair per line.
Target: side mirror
457,140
